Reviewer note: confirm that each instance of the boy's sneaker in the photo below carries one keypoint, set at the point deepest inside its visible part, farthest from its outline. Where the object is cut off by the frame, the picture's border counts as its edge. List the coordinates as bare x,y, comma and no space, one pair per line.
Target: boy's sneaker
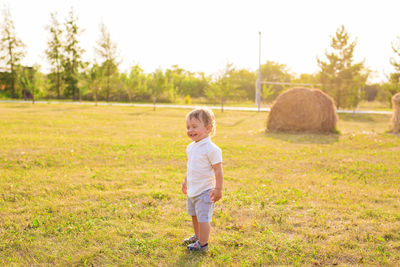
196,247
190,240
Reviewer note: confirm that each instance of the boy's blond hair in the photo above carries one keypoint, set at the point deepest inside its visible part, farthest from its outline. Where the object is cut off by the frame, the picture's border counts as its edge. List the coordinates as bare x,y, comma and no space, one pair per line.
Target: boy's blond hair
204,115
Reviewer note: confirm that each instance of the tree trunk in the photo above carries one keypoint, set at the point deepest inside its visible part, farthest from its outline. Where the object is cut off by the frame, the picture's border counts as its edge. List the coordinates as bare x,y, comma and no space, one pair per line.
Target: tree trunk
32,84
154,103
339,98
108,87
10,53
58,83
222,104
33,95
12,84
95,96
129,95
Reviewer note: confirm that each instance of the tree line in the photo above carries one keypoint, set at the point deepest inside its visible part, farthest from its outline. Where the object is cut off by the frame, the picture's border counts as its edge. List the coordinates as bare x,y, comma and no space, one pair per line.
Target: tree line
101,80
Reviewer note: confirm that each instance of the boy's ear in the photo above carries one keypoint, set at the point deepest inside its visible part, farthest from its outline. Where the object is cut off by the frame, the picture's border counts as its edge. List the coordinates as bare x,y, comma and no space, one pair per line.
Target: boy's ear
209,128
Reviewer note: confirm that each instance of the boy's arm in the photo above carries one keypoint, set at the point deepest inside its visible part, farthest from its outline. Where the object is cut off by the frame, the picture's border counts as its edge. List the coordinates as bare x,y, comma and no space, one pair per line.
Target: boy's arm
184,185
216,193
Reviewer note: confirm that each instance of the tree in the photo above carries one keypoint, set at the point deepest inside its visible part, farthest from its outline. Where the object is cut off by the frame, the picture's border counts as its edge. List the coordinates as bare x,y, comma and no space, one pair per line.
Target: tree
157,86
193,84
31,80
11,49
175,76
54,53
389,89
72,57
308,79
244,83
371,91
223,86
124,81
107,51
395,76
136,87
340,77
275,72
94,84
212,91
394,79
266,92
117,81
26,82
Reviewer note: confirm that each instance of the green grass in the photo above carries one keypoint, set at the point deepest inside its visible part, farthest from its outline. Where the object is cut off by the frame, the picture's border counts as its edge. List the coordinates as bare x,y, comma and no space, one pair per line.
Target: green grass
374,105
84,185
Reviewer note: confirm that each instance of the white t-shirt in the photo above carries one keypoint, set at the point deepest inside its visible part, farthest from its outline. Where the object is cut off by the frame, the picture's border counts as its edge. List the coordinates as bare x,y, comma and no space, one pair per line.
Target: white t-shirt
200,174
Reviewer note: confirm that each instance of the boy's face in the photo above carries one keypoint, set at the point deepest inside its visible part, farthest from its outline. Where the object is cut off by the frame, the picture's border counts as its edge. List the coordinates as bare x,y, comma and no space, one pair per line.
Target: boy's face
196,129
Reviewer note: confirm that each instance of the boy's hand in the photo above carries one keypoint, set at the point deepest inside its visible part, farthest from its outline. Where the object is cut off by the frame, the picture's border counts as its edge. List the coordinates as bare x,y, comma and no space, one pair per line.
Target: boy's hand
215,194
184,188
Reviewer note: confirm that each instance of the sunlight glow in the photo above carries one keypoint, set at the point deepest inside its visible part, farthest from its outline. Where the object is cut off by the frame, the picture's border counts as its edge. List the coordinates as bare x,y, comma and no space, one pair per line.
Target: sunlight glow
202,36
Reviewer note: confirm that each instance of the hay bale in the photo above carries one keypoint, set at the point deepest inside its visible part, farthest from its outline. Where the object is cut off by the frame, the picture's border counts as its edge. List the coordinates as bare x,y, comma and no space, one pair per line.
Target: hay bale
303,110
396,113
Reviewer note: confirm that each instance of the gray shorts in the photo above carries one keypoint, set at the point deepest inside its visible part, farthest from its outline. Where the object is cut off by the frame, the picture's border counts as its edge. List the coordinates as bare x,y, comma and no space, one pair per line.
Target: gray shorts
201,206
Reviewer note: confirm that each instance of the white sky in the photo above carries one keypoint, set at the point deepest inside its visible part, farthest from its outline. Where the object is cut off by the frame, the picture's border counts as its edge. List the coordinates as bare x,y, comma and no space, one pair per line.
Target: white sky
204,35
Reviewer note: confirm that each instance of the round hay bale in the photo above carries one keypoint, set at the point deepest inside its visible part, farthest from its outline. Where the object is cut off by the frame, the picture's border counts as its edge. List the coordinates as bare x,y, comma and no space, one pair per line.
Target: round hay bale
396,113
303,110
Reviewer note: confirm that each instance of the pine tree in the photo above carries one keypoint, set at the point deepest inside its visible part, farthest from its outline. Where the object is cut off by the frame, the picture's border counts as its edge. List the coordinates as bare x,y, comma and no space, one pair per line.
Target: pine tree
72,57
107,51
94,81
392,87
11,49
395,76
340,77
54,53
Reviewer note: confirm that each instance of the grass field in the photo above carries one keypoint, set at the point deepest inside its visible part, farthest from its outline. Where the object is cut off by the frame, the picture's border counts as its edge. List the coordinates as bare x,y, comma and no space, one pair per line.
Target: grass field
83,185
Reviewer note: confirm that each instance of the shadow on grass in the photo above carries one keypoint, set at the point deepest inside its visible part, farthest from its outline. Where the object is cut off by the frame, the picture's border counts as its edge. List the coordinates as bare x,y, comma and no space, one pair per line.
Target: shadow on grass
143,112
304,138
236,123
189,258
19,106
137,114
364,117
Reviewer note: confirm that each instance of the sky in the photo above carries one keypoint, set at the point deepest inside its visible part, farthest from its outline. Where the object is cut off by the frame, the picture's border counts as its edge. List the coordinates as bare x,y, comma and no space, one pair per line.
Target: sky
203,36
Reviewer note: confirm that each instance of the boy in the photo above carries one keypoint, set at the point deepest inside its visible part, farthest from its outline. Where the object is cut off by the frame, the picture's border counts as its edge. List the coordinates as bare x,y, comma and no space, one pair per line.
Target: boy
204,178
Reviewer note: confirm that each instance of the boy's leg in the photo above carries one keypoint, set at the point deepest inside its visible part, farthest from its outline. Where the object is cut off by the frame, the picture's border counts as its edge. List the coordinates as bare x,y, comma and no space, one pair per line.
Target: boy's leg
191,210
202,221
204,232
196,226
204,211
